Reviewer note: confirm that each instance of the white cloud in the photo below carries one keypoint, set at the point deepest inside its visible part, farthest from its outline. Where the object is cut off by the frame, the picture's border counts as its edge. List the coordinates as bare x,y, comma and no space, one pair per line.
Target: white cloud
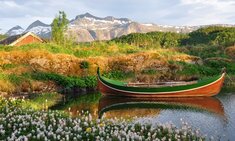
209,11
171,12
10,4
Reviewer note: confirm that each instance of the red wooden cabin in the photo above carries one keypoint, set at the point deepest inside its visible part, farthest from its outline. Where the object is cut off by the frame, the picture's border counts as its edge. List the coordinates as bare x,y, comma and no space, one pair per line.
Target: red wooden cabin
22,39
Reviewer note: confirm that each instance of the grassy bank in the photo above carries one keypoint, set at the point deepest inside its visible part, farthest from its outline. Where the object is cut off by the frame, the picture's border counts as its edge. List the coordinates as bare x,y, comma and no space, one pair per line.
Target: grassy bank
24,68
139,57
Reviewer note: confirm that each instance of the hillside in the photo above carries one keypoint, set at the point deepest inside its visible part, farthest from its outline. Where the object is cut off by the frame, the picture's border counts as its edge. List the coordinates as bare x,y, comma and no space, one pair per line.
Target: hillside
212,35
26,68
149,57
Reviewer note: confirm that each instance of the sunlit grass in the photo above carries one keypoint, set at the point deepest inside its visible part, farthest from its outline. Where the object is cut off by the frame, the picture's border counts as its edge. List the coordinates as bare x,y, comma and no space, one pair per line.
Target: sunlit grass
42,101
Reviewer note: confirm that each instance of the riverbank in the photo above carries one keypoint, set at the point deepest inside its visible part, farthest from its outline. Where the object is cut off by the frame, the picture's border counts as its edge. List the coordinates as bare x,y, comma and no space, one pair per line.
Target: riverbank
40,68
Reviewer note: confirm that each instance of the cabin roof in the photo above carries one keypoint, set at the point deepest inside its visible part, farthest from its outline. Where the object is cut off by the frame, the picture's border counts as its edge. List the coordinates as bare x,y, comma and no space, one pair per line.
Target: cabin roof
12,40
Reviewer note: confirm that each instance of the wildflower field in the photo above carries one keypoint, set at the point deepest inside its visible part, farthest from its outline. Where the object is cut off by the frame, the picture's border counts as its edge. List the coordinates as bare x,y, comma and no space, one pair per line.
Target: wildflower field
19,123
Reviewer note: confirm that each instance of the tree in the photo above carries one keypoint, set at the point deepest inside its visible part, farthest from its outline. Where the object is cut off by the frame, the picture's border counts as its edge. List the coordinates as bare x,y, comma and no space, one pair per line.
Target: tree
59,25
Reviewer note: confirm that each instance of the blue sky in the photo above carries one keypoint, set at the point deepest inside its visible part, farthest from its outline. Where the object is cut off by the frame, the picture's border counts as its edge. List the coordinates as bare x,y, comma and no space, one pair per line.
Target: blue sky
169,12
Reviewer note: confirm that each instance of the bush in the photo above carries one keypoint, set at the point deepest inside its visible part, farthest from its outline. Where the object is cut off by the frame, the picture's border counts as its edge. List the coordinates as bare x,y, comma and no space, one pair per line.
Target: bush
194,69
149,71
84,65
8,66
17,80
66,81
119,75
218,64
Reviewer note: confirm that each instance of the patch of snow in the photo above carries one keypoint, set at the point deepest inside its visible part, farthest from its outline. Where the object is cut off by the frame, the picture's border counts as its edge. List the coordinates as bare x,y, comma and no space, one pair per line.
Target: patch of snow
15,32
93,20
148,24
40,29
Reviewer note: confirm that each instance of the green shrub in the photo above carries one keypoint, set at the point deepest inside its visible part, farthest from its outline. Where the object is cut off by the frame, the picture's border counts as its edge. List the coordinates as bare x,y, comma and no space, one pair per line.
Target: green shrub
206,51
119,75
84,65
15,79
8,66
66,81
149,71
90,81
217,65
194,69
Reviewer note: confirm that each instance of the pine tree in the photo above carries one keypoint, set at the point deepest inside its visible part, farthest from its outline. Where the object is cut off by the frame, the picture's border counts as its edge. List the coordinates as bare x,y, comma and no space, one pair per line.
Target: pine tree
59,25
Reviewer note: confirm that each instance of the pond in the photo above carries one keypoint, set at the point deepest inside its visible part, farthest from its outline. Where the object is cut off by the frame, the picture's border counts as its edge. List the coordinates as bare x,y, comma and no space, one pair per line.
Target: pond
214,116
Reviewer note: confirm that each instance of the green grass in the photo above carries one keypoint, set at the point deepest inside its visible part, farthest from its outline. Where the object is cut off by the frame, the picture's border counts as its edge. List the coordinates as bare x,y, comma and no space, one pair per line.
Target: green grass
194,69
118,75
82,50
206,51
84,99
42,101
149,71
109,49
66,81
3,76
50,47
13,78
8,66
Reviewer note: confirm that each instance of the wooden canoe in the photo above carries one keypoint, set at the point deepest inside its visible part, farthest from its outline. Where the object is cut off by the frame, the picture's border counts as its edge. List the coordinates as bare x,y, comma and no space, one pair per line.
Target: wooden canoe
208,87
200,104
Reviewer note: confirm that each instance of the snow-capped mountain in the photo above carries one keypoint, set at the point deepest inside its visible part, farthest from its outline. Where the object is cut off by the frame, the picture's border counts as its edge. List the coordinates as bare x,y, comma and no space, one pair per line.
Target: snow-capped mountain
15,31
89,21
86,28
39,28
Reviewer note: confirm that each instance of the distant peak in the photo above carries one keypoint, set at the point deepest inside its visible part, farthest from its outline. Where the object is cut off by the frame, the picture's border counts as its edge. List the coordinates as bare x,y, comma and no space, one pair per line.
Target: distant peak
36,23
17,27
108,18
86,15
14,30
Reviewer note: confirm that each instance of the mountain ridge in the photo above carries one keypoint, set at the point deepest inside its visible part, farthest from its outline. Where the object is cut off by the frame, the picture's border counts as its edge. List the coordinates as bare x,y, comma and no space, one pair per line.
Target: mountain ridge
15,30
87,27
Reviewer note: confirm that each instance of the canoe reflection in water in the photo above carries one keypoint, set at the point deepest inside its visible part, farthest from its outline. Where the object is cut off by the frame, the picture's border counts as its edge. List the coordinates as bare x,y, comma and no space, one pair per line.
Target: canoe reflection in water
131,107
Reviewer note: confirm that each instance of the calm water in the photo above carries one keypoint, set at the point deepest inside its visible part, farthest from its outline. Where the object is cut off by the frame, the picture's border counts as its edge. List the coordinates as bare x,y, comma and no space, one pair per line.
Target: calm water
214,116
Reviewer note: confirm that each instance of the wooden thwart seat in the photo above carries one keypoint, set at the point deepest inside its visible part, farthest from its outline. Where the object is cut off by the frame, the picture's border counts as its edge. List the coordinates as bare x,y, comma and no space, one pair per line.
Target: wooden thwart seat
160,84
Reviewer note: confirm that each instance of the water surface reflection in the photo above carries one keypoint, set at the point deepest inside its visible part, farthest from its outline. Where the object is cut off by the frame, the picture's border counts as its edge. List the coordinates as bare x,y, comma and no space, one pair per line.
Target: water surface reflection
214,116
112,105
